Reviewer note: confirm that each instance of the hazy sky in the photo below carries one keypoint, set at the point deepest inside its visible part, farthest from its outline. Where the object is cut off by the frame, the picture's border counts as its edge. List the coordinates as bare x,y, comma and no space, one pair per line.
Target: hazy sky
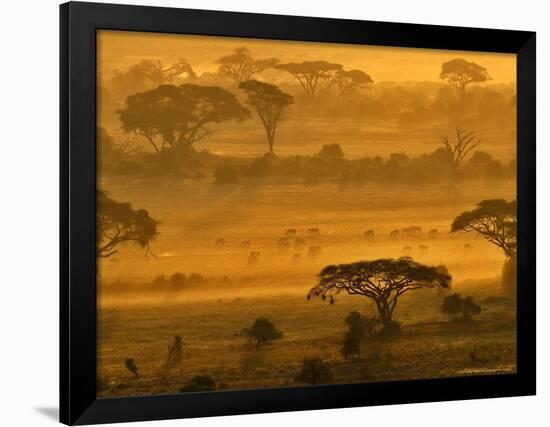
119,49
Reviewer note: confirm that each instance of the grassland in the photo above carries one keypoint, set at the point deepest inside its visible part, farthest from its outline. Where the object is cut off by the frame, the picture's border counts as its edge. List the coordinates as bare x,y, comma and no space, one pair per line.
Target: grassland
430,345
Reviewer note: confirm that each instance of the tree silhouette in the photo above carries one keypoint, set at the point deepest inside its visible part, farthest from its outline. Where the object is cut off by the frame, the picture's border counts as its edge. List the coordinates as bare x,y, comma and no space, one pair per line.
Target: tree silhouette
461,73
495,220
179,115
349,81
262,331
314,371
269,102
382,280
466,141
150,72
239,66
118,223
310,73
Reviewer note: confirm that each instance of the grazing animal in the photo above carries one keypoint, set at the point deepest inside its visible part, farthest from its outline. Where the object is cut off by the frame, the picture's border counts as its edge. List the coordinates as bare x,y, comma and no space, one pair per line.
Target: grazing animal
220,243
433,234
290,233
407,250
299,243
246,244
296,258
253,258
369,235
314,251
423,249
411,232
313,232
468,248
394,234
283,244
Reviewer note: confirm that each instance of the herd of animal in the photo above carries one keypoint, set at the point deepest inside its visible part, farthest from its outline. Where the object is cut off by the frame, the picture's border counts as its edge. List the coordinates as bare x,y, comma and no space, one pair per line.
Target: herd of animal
292,241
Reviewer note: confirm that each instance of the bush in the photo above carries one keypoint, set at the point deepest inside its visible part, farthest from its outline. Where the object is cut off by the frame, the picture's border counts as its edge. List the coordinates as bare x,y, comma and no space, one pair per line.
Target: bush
261,332
177,280
315,371
459,308
360,328
226,174
199,383
351,346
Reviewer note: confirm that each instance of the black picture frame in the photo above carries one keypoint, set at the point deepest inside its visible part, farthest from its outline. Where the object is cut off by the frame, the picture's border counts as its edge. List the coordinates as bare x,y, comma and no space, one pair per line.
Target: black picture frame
78,25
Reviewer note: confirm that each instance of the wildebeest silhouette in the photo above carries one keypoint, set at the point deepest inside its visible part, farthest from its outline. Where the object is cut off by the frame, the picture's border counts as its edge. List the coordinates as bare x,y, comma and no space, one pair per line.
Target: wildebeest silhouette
299,243
313,232
412,231
433,233
423,249
283,244
253,258
314,251
291,232
394,234
407,250
467,247
246,244
220,243
296,258
369,235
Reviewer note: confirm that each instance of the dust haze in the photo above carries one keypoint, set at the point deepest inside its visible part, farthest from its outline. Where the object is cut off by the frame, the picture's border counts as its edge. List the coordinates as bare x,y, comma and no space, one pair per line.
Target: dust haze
280,214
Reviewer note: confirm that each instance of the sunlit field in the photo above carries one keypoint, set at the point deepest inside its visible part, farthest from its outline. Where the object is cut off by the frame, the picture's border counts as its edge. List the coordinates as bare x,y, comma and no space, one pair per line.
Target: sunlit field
258,227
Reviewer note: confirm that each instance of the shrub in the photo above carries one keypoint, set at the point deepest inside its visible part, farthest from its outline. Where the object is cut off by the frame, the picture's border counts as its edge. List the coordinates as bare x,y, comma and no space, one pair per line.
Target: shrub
175,352
459,308
199,383
131,366
177,280
315,371
351,346
360,328
226,174
262,331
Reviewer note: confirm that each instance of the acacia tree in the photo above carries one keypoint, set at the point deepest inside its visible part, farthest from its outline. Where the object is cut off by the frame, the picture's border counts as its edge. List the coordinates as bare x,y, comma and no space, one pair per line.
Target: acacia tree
151,72
460,73
176,117
269,102
118,223
310,73
466,141
382,280
349,81
239,66
495,220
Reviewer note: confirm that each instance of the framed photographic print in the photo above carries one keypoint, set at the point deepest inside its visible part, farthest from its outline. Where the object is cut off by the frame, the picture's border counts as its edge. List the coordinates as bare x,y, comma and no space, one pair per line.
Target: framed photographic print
268,213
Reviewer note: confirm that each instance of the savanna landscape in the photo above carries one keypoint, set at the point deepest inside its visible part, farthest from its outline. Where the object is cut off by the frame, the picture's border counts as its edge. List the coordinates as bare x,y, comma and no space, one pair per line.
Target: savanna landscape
281,214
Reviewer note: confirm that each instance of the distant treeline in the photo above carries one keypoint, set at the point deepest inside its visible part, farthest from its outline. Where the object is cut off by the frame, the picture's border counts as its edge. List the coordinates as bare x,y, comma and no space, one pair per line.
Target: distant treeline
328,163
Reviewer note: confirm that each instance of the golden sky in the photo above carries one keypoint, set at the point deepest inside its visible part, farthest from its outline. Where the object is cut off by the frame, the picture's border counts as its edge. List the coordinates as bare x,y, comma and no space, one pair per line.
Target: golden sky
120,49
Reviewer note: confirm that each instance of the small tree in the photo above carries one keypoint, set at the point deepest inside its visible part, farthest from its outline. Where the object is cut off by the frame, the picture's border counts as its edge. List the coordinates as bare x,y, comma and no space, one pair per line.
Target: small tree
269,102
314,371
465,142
351,346
131,366
175,352
310,73
262,331
349,81
177,280
460,73
239,66
118,223
360,328
382,280
459,308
